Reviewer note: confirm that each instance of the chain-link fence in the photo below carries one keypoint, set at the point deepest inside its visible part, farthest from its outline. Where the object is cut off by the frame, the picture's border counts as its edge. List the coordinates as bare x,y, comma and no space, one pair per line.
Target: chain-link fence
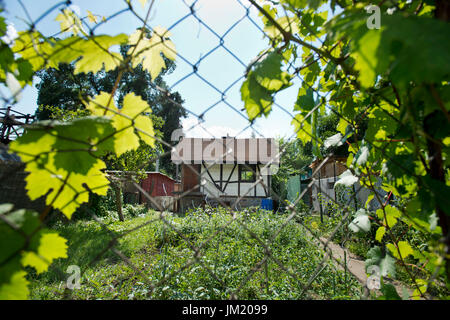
213,222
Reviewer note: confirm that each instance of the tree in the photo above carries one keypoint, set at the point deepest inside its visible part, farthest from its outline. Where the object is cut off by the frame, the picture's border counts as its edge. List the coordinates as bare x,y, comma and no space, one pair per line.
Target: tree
61,94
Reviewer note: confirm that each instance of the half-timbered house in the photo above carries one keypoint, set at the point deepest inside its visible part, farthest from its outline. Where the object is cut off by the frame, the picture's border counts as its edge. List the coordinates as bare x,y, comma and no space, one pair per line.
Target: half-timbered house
227,171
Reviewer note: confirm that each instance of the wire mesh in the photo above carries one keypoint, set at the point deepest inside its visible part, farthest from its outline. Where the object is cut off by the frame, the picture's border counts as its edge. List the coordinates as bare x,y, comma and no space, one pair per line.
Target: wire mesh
207,202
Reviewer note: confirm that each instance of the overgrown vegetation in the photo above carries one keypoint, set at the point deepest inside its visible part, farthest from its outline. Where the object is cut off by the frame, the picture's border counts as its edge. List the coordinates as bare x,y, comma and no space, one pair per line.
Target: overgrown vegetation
389,87
160,252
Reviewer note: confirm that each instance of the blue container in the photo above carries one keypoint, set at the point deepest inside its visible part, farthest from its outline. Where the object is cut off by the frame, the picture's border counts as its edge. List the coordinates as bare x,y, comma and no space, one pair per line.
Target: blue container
267,204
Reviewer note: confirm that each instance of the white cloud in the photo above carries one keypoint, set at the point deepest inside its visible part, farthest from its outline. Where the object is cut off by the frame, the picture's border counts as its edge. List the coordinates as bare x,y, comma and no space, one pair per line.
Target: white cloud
194,129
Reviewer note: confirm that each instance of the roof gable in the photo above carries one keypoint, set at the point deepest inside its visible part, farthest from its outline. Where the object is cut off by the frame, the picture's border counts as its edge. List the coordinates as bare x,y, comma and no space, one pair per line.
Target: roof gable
226,150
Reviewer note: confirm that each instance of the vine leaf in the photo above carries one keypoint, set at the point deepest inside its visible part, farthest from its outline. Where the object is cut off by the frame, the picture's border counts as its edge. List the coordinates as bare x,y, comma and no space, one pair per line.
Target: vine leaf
392,215
92,18
269,75
257,99
69,22
125,120
404,248
32,47
386,262
380,233
389,292
51,246
23,239
150,52
95,52
303,128
15,288
63,159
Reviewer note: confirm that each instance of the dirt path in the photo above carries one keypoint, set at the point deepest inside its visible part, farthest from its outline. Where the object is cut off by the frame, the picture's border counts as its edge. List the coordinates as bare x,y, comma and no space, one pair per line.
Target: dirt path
356,265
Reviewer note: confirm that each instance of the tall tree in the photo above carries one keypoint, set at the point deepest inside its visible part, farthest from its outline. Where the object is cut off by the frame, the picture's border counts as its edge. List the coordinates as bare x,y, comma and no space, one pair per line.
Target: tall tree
61,89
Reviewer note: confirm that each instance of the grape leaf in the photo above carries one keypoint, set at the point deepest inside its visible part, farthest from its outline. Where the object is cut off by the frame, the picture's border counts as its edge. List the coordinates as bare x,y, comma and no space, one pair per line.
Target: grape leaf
16,288
389,292
92,18
305,100
303,128
149,51
50,247
386,262
69,22
33,47
380,233
269,75
404,248
257,99
96,53
62,158
392,214
402,47
125,120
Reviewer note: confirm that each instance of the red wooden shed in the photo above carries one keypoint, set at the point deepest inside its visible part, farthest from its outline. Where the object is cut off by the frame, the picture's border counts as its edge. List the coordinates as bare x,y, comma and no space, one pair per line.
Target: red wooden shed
158,184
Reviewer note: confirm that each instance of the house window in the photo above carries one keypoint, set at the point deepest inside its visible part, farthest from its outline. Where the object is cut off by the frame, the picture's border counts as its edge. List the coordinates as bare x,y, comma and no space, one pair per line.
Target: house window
247,173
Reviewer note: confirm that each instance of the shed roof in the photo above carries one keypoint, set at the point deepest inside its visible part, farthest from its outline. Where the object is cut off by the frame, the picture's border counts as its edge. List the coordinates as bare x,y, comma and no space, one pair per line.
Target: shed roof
227,150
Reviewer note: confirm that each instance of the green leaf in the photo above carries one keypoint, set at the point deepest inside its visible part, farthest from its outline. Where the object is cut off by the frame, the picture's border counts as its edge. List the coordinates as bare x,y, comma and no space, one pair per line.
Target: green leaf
305,100
16,288
149,51
389,292
96,54
392,214
287,23
303,128
257,100
34,48
125,120
423,286
47,149
138,109
367,58
69,22
386,262
269,75
50,247
404,248
402,47
380,233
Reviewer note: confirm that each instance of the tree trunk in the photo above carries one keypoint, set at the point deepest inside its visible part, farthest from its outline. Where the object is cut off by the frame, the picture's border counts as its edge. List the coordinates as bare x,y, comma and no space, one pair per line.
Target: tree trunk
117,191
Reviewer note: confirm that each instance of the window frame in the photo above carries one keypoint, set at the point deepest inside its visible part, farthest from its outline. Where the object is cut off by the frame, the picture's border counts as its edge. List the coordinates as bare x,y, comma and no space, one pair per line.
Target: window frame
247,168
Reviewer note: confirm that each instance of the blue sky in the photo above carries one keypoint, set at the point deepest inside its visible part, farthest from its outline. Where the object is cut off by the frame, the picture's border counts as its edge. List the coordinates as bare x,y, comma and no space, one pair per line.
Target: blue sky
192,40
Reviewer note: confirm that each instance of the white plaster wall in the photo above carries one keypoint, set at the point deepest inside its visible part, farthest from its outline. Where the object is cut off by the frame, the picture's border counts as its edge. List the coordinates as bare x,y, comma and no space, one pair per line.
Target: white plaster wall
232,187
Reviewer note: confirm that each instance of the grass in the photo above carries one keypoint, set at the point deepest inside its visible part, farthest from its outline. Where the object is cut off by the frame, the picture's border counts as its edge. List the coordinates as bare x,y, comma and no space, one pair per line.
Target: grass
228,254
